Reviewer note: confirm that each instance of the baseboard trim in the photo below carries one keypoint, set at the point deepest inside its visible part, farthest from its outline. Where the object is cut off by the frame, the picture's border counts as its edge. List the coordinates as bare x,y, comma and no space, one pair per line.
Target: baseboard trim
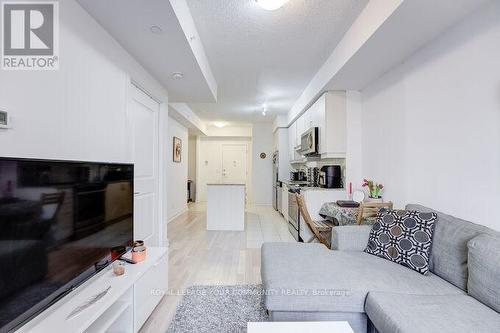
177,215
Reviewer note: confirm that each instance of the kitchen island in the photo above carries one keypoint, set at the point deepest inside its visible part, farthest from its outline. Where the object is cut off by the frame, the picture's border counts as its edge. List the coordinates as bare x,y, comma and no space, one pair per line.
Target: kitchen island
226,207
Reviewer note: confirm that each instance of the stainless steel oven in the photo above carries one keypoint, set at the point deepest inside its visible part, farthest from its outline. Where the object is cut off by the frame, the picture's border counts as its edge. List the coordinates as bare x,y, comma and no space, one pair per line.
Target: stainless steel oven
293,214
309,142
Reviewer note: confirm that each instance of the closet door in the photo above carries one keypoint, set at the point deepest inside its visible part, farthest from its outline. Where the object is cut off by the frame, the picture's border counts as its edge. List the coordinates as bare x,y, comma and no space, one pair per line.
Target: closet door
143,116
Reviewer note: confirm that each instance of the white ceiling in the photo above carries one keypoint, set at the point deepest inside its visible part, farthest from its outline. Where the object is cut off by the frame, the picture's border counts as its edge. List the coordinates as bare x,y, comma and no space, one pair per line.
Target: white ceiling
260,56
130,21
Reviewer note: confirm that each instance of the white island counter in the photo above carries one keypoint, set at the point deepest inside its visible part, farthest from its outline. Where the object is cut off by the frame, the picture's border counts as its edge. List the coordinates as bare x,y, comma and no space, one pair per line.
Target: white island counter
226,207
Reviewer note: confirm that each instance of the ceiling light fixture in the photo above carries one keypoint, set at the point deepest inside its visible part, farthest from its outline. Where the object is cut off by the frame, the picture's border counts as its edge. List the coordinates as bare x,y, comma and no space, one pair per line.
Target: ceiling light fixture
156,29
177,75
219,124
271,4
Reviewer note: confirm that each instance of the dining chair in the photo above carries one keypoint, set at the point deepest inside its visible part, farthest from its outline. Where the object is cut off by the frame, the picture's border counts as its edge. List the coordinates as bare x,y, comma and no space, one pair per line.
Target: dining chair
322,230
368,210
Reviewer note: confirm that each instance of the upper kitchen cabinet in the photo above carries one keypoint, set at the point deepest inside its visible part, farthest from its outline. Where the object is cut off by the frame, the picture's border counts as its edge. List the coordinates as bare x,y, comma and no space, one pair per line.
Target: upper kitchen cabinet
292,133
300,128
328,113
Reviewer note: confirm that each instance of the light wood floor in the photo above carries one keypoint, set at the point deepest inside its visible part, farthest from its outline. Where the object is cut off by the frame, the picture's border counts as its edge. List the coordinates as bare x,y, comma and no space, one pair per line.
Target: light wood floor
201,257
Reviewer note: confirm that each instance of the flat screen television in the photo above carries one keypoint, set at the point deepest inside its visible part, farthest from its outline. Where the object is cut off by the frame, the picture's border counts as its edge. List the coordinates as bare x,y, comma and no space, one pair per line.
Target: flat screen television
58,222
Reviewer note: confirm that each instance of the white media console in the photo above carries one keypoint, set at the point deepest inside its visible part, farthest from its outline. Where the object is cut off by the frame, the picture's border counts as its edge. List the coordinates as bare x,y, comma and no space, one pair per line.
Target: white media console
125,307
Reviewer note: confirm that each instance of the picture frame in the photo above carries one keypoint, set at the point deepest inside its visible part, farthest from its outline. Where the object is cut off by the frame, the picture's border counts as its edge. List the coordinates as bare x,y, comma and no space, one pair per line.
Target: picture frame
177,150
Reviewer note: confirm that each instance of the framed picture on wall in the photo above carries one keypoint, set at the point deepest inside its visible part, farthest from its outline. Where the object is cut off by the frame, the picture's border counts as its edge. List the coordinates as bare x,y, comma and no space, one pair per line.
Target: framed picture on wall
177,151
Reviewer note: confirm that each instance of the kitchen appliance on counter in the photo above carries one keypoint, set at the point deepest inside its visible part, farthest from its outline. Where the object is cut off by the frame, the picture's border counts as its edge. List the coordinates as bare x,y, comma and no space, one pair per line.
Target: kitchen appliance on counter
298,176
309,142
313,176
330,176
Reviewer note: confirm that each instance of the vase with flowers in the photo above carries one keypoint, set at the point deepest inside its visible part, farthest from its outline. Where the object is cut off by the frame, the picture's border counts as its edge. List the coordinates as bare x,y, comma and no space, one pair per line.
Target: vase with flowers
374,190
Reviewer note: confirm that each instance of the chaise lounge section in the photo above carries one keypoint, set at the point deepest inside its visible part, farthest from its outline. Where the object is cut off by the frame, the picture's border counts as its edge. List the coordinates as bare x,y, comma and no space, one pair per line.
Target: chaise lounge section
308,282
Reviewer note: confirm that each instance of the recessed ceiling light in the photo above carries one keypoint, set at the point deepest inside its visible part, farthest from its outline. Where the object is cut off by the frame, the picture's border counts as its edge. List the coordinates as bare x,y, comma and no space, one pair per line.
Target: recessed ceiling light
219,124
156,29
271,4
177,75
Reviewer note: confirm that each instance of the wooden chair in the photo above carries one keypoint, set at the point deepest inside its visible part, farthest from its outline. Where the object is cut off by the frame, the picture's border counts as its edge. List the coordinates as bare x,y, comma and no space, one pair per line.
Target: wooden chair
371,209
322,230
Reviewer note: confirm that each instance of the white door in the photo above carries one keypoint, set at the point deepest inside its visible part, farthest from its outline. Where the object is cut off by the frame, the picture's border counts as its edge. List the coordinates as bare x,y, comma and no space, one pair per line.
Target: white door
143,116
234,164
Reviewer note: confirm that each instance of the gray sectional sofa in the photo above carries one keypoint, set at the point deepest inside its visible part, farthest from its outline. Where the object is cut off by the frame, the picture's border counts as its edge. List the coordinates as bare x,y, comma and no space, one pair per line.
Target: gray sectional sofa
307,282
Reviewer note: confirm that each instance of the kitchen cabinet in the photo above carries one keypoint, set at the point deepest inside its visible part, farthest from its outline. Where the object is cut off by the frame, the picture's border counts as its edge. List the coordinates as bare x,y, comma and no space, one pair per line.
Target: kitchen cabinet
292,140
301,128
329,115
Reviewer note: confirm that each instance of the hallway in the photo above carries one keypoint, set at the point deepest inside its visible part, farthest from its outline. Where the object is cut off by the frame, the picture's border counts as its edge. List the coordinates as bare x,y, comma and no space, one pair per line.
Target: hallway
201,257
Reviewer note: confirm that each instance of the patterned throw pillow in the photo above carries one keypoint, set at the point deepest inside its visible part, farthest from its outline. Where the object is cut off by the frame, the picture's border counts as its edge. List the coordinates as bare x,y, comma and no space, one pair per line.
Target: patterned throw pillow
404,237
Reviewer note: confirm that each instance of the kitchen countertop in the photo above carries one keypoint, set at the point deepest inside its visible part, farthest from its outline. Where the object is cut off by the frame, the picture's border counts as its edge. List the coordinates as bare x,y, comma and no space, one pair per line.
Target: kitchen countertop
310,188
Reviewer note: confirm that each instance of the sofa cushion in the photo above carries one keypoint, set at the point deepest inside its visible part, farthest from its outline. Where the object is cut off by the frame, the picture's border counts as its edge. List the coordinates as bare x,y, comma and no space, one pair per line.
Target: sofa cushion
484,270
308,277
403,237
395,313
449,246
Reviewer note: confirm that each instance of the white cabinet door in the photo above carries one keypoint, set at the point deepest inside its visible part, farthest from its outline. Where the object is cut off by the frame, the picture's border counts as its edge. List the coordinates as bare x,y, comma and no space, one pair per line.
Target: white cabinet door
143,117
291,141
334,135
149,290
308,119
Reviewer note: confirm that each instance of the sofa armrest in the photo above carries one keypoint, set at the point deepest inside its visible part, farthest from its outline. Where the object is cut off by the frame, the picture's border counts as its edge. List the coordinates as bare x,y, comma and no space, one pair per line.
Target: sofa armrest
350,237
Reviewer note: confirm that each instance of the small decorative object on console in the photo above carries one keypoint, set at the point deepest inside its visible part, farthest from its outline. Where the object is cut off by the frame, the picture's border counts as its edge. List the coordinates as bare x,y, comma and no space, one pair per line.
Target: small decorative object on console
139,253
119,268
117,251
138,243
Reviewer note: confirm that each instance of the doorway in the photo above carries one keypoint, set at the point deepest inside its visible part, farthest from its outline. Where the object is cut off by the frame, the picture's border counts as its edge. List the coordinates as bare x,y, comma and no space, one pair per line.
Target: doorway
234,164
143,114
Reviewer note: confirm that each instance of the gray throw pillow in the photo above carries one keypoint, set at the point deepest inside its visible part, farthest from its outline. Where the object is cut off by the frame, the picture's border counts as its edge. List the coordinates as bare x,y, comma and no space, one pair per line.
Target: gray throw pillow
403,237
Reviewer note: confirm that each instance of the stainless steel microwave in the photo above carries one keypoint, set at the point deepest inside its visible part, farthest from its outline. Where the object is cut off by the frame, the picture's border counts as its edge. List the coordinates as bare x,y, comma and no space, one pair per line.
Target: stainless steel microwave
309,142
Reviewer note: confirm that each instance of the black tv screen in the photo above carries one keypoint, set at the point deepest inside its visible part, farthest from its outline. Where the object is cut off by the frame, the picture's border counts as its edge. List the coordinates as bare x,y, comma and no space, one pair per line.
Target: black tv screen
58,222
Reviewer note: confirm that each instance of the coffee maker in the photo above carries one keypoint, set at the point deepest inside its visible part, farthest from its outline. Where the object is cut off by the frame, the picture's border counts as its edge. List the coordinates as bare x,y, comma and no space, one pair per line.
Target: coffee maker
330,176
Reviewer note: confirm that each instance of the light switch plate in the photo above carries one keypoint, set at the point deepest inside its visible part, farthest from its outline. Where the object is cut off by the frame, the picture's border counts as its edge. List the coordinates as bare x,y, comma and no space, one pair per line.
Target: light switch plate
4,119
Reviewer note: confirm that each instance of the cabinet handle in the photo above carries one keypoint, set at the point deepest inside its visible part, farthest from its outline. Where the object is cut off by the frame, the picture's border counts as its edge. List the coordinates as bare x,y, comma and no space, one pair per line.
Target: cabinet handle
137,193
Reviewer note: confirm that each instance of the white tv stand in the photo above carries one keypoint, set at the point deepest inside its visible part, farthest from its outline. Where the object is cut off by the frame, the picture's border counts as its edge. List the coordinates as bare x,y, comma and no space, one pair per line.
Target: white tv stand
125,307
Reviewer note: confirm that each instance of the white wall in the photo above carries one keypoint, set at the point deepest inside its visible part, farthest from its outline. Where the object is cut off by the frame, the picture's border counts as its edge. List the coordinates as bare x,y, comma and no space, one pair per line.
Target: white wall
177,173
431,127
78,112
192,158
354,137
262,169
230,131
